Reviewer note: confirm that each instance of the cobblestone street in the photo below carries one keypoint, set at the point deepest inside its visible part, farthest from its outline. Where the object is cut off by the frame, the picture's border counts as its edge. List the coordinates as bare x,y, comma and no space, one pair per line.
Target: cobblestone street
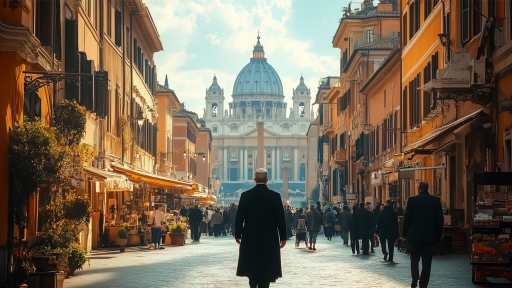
212,263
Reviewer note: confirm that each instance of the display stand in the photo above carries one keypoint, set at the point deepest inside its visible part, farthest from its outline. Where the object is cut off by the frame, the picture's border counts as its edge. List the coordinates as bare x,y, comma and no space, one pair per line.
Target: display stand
491,253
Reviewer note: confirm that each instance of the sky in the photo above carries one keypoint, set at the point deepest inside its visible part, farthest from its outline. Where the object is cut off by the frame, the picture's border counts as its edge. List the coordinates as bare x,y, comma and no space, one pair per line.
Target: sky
203,38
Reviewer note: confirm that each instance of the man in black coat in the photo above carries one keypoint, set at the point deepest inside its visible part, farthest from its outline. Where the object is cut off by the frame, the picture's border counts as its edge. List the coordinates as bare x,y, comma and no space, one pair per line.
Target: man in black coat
363,221
387,229
259,225
196,216
225,221
423,226
232,217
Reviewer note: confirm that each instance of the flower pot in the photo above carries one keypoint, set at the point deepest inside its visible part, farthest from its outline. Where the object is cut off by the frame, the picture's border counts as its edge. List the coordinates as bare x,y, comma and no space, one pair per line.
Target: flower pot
122,243
177,239
43,263
71,272
133,239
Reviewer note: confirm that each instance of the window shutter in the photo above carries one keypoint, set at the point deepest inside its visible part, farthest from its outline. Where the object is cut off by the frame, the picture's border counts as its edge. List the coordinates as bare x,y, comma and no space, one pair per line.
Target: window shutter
71,57
134,51
465,20
45,10
57,32
118,28
101,90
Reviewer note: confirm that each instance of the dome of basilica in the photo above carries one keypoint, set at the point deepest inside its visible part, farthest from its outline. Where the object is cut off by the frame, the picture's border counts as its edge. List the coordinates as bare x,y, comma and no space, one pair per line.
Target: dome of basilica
258,77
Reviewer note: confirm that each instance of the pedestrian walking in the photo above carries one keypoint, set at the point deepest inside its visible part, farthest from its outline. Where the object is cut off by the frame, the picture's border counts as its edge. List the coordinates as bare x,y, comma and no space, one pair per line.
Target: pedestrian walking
155,220
261,232
330,220
372,229
344,221
354,239
195,218
313,224
363,222
399,210
209,213
387,229
225,221
232,216
217,222
423,226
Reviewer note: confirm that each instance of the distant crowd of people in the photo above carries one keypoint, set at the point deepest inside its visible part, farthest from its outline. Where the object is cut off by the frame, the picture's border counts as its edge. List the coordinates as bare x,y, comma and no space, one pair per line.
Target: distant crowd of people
213,221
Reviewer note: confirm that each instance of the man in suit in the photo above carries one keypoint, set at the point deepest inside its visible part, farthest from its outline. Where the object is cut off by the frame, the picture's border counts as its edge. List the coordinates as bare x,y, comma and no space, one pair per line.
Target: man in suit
423,226
363,227
259,217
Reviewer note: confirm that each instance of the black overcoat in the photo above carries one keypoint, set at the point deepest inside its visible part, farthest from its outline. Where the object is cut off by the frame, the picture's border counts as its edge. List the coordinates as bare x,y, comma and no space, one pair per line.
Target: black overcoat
423,219
387,223
363,221
260,222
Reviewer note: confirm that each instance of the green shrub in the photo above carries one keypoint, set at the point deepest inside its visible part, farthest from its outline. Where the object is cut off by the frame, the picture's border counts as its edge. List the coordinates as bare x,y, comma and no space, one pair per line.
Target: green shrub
122,233
77,256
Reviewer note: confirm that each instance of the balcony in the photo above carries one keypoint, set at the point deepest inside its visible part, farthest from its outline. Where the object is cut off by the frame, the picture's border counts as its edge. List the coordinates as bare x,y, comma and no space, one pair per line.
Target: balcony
340,157
113,145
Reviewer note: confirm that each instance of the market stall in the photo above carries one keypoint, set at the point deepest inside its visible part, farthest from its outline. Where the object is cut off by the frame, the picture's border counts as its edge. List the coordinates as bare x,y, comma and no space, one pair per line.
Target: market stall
491,253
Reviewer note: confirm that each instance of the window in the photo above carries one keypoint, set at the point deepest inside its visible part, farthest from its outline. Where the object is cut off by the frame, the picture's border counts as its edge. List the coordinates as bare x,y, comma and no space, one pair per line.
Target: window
215,129
250,156
302,109
426,96
415,104
447,32
32,106
368,36
471,19
233,153
268,155
214,110
404,30
118,27
286,154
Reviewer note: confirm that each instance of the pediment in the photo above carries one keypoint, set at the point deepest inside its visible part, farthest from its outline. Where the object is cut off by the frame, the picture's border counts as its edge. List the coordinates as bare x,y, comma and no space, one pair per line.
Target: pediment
254,133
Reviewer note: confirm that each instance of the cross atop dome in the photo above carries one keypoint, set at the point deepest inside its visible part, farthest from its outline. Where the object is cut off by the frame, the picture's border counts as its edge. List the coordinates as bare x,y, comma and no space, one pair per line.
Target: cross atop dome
258,52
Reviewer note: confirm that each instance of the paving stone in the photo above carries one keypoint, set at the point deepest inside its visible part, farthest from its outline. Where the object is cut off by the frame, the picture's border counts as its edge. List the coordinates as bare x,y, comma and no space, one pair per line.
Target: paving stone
212,263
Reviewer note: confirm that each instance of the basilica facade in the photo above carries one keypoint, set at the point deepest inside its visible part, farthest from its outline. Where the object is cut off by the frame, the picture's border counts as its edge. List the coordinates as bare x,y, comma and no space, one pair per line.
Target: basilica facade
258,96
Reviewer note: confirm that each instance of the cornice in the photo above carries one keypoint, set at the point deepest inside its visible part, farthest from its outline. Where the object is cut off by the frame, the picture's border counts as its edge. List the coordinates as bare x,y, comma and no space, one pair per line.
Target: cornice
21,40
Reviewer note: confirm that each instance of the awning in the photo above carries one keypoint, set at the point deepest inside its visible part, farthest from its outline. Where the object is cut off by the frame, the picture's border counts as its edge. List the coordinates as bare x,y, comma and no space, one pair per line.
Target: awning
433,136
389,166
154,181
422,168
113,181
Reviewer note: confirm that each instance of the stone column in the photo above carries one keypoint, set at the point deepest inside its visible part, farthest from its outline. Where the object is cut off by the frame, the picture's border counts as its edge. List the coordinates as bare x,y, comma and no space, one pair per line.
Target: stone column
285,182
295,163
241,163
225,164
278,164
245,163
274,163
261,143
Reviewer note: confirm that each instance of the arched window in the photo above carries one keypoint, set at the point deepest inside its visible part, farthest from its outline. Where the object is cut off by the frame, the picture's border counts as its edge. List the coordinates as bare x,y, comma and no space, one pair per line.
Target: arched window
302,109
214,109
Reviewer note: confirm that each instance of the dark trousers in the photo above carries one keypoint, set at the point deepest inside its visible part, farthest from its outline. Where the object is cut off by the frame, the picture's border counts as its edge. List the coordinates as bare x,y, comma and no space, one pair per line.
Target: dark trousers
365,246
425,251
258,282
390,246
233,229
194,231
354,244
372,241
210,228
225,228
217,229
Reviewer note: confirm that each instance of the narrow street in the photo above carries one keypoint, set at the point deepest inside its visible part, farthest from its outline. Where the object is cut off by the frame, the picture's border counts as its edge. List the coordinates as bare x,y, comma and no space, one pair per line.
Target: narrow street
212,263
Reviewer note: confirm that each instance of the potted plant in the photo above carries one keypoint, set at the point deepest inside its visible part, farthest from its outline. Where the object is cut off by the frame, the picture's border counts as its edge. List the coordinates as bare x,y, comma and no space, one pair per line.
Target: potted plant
123,238
76,258
393,191
178,234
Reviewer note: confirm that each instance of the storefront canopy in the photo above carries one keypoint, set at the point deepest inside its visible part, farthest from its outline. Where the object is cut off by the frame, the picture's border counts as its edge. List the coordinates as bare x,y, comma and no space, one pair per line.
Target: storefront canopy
152,179
418,147
113,181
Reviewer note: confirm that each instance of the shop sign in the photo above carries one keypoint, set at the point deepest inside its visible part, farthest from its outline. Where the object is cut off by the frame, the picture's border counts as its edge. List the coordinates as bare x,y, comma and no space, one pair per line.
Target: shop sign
77,184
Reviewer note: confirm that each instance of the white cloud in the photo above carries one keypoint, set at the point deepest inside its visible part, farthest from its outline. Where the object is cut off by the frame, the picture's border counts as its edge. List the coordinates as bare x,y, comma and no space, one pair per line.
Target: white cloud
179,23
214,39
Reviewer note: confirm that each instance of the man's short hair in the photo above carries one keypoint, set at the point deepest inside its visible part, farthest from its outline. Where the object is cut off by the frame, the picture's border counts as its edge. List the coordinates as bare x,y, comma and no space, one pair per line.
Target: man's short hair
157,206
261,175
423,186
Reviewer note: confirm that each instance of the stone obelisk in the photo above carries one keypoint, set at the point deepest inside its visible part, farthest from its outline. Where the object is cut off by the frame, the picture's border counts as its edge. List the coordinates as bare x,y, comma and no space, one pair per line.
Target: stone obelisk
285,181
261,151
